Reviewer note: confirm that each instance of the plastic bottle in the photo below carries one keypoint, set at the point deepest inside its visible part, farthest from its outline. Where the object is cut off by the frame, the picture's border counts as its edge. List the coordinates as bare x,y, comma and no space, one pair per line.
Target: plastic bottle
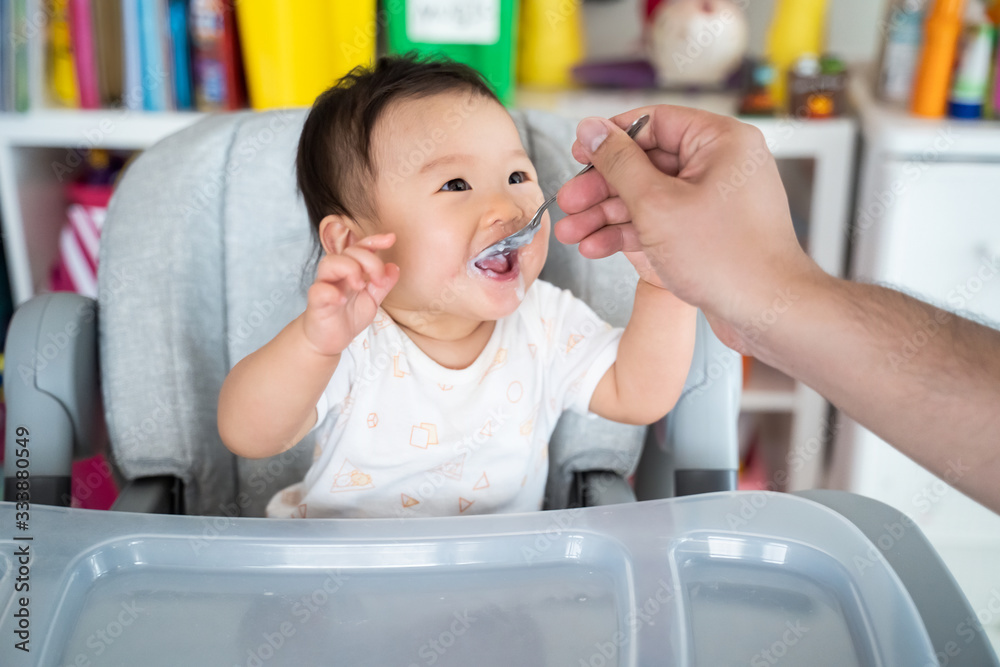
941,33
903,36
972,77
551,42
798,27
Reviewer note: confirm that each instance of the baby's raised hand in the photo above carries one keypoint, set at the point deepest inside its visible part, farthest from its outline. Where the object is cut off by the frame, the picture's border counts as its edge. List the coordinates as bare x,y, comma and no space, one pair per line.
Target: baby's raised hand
347,292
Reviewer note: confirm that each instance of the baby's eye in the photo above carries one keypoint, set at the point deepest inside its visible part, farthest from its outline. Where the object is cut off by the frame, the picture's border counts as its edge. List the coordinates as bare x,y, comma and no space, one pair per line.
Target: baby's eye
517,177
458,185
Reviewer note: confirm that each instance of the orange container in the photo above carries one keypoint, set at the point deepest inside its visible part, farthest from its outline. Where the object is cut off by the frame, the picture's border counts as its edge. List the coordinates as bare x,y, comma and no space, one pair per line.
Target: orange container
937,58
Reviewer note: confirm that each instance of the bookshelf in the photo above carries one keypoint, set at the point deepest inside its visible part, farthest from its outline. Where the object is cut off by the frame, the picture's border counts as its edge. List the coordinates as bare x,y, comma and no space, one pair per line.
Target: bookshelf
816,160
40,152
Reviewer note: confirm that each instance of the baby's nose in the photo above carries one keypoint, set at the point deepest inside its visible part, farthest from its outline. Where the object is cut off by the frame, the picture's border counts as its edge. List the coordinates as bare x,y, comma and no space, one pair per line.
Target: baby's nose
505,210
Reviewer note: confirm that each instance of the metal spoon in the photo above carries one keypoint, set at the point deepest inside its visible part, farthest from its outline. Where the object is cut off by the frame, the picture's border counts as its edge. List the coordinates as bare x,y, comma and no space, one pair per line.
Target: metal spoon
524,235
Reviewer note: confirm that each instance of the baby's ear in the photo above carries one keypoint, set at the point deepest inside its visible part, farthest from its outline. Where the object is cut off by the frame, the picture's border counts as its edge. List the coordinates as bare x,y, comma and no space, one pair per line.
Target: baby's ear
337,232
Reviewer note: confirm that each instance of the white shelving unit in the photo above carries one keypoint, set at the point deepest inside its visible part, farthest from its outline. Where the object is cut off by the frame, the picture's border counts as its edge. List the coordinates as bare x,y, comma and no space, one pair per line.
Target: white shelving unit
39,153
38,148
927,223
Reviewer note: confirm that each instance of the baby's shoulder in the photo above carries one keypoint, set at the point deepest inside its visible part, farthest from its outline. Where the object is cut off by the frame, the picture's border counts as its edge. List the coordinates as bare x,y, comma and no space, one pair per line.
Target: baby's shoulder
544,300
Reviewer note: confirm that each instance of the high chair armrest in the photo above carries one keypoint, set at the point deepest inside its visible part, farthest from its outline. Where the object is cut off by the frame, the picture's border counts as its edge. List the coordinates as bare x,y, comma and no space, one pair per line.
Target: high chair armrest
52,393
695,448
950,620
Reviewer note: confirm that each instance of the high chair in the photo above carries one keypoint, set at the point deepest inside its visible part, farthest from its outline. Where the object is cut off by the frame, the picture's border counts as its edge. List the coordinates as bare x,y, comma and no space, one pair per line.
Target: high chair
204,258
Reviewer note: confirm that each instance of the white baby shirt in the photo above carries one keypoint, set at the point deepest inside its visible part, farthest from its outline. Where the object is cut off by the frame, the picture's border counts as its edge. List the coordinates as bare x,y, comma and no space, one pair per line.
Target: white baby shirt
400,435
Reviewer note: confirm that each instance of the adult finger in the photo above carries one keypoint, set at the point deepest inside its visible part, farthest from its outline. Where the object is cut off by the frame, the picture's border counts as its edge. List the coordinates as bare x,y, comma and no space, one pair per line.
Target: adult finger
591,188
576,227
619,159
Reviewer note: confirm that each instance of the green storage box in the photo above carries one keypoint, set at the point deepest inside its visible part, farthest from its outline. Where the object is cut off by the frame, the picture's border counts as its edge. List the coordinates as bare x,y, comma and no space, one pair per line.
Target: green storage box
479,33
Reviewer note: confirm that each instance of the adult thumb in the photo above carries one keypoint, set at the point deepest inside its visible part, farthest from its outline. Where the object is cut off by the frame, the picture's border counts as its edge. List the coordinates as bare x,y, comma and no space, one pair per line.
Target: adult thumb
617,157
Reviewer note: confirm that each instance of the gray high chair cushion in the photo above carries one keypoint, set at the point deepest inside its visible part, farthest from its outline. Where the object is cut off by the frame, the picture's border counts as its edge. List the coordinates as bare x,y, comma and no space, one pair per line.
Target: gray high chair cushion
205,257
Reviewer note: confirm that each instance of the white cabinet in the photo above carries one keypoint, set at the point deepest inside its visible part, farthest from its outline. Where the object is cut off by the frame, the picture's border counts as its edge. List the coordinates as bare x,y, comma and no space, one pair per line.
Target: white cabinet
928,222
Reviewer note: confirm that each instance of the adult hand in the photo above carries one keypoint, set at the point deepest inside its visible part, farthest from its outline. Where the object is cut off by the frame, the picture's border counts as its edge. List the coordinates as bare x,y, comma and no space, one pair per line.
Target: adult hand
700,195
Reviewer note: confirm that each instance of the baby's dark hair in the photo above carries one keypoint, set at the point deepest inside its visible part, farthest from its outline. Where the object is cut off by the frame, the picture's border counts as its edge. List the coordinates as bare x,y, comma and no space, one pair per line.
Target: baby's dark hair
334,166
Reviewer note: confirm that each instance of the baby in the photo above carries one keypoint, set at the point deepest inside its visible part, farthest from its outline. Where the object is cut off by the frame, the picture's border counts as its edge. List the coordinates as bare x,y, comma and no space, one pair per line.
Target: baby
435,381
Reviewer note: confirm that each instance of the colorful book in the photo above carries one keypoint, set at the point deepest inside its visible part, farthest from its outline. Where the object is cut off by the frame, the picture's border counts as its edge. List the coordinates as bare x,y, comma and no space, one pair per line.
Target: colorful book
37,94
6,57
132,97
218,73
157,84
181,49
81,26
61,62
20,95
108,39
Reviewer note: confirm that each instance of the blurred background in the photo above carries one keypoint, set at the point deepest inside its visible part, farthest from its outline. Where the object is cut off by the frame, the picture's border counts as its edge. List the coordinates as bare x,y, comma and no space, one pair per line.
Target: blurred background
881,116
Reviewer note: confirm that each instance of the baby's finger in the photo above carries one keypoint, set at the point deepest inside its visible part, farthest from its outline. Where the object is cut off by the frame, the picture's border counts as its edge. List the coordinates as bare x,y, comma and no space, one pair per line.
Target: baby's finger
337,268
377,241
324,295
379,292
372,266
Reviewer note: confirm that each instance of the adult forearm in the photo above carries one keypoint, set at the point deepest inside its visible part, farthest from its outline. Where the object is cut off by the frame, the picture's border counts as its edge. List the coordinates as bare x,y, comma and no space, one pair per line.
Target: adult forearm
654,354
267,402
922,379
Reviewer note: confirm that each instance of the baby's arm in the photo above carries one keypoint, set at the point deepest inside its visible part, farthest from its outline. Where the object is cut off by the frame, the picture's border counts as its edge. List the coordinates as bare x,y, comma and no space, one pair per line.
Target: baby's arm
268,400
654,356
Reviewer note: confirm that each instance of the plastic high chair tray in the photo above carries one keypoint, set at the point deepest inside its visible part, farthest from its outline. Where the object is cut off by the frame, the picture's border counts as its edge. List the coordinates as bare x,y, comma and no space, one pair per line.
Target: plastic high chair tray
719,579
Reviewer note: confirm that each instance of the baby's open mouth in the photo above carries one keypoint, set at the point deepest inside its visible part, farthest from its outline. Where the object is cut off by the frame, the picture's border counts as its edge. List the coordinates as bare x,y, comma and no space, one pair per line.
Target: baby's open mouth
502,265
496,263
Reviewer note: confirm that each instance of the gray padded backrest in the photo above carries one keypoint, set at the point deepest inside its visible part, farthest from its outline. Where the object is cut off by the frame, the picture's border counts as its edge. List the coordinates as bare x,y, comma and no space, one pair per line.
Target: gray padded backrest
203,260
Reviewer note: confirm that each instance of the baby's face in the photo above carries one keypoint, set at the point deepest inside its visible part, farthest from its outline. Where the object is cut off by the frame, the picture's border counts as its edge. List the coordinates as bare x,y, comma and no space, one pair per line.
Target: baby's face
453,178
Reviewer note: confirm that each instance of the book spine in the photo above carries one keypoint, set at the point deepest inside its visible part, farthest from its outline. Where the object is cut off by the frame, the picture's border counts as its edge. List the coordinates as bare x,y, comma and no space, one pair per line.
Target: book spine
82,36
62,63
132,95
181,53
153,67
